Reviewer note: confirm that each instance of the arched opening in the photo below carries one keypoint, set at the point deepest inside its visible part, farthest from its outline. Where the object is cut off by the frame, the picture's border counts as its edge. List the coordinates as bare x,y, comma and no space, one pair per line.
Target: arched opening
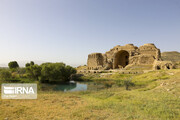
121,59
168,67
158,68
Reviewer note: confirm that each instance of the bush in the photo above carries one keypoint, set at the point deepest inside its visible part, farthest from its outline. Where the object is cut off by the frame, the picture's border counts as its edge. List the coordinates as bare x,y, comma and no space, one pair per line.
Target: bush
15,75
5,74
128,83
76,77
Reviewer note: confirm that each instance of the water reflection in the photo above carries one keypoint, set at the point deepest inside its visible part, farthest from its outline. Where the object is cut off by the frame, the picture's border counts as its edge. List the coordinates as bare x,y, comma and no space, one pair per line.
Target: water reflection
58,87
76,86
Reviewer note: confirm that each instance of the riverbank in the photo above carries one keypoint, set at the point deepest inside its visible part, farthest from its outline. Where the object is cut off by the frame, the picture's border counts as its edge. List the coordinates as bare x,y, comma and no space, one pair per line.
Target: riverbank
156,96
147,80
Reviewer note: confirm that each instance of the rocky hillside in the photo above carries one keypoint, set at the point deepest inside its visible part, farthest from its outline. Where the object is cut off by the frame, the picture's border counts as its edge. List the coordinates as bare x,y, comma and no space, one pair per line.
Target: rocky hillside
171,56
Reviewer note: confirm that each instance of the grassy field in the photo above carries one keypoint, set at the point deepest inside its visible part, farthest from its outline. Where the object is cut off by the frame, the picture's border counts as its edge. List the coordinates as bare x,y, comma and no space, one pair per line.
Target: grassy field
155,96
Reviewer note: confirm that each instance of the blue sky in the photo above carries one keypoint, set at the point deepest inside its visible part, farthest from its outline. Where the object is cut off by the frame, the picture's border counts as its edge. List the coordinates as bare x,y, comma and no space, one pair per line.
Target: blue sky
69,30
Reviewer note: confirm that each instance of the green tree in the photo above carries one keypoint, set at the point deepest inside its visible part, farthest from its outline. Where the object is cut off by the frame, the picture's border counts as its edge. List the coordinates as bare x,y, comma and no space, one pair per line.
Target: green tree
13,65
69,71
56,72
34,71
28,64
31,63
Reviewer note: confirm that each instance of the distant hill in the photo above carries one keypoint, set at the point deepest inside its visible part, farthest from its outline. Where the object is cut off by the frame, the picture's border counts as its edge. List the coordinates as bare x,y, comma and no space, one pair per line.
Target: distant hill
171,56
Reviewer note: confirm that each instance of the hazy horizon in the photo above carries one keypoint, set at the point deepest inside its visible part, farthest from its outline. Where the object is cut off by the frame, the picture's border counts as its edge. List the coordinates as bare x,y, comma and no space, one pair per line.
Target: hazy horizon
68,30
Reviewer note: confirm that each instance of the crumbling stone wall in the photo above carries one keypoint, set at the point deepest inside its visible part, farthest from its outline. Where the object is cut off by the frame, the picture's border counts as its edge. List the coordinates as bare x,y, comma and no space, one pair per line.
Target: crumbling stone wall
121,56
158,65
95,61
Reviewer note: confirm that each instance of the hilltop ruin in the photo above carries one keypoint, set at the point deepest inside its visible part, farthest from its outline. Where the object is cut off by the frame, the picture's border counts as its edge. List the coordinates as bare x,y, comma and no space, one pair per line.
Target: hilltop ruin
123,57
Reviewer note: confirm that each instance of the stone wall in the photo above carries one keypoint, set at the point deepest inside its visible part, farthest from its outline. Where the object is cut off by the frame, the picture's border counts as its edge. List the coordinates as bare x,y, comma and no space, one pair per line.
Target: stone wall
95,61
158,65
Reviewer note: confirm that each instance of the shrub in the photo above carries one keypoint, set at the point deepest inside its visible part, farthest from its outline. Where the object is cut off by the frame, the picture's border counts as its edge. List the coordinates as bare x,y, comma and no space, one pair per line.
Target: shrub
15,75
5,74
128,83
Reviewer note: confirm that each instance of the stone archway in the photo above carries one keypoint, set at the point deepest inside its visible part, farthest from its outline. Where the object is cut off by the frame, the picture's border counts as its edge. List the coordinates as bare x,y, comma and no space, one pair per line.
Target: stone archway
121,59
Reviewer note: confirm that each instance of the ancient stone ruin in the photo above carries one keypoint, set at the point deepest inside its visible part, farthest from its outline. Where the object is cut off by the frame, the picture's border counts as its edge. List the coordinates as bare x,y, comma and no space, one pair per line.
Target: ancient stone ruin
123,57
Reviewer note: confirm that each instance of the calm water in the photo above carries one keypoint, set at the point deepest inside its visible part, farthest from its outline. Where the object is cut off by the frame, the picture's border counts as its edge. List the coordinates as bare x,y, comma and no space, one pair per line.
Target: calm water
76,86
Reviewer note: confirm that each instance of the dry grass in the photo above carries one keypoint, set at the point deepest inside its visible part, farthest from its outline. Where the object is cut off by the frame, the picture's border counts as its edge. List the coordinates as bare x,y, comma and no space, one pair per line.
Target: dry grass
157,99
48,106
